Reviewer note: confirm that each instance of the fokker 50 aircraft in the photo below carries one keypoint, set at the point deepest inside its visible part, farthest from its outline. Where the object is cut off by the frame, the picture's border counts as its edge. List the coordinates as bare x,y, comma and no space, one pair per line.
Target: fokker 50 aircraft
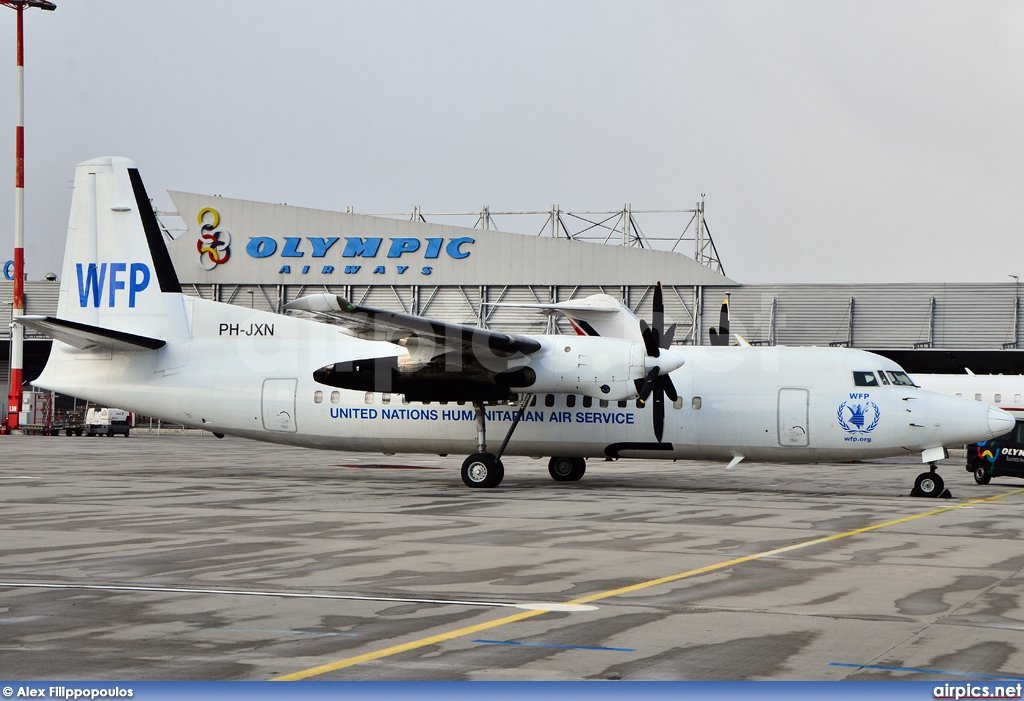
373,380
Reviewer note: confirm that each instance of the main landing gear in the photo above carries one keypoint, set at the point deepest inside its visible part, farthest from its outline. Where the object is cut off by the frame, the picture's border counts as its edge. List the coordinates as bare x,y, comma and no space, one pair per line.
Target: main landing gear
930,484
483,469
567,469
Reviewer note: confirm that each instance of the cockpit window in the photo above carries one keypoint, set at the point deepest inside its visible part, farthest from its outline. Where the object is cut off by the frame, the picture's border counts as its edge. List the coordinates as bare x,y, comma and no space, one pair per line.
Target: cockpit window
864,378
882,377
901,378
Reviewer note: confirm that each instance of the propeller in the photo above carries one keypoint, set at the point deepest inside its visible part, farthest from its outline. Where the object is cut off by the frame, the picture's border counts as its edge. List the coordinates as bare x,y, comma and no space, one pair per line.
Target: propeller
721,336
656,385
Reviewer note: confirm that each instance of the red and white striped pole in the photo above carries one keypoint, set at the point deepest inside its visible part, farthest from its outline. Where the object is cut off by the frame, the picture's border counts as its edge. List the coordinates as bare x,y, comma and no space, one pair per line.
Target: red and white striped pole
18,308
18,305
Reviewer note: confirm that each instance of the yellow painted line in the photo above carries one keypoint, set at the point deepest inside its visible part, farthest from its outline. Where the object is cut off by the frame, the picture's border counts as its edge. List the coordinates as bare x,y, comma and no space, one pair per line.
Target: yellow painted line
470,630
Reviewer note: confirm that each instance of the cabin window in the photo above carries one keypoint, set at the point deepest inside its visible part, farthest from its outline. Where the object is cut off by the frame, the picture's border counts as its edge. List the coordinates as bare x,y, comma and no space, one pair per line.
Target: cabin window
977,397
588,402
959,394
368,398
677,403
549,400
864,378
1016,399
533,400
882,377
335,397
695,403
899,377
622,403
603,403
318,396
385,398
999,398
570,401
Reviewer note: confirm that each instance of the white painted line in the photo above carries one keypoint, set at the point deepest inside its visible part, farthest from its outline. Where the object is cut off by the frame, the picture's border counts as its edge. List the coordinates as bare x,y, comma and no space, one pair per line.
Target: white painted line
544,606
20,478
293,595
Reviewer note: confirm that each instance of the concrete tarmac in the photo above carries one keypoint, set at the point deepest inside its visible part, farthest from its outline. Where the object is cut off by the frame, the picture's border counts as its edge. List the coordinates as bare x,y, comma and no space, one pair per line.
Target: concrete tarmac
188,557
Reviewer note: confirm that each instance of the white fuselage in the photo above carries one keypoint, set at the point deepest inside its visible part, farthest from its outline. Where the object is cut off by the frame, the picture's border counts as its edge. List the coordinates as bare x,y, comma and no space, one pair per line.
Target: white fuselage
248,373
1003,391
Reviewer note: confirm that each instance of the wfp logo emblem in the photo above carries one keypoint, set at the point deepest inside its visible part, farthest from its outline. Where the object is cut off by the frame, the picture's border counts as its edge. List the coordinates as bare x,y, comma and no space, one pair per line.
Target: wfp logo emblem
858,418
214,243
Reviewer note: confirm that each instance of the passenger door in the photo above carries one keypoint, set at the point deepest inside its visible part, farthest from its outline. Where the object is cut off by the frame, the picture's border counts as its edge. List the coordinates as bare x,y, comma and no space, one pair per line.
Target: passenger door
279,404
793,406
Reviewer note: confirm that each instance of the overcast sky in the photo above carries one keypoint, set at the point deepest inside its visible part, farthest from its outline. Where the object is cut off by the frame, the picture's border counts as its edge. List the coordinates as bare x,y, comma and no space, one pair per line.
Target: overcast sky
835,142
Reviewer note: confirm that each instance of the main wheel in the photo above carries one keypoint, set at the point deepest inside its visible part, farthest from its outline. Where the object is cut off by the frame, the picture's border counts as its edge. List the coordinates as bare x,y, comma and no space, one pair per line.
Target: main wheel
567,469
981,472
482,470
929,484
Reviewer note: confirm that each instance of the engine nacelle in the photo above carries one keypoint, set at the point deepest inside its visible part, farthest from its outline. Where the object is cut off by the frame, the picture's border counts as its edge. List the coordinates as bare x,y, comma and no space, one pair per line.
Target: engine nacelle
604,368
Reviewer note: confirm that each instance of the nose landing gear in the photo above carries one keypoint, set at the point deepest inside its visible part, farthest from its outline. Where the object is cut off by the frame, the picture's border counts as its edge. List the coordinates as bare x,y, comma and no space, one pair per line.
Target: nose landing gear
930,484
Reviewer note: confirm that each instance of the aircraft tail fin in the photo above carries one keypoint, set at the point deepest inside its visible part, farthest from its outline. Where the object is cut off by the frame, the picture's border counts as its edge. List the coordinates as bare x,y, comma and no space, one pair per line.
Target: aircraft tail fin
117,274
596,315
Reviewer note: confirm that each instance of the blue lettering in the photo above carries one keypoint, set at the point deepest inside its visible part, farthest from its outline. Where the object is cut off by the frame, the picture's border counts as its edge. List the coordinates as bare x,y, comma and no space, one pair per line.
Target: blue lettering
352,269
291,247
378,270
402,269
135,283
328,269
403,245
426,270
285,269
321,245
355,246
90,284
859,395
115,284
9,270
433,248
305,269
452,249
261,246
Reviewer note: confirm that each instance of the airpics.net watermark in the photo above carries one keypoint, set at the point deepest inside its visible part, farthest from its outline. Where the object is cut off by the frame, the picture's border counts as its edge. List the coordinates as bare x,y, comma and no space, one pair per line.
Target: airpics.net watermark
977,691
67,693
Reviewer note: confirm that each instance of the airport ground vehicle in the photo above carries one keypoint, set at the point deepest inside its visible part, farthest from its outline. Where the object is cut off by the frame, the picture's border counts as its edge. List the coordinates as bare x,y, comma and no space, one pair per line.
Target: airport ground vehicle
106,422
1002,456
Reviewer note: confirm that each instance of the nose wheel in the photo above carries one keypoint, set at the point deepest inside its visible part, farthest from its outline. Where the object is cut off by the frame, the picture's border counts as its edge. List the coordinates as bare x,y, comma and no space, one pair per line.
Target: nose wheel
930,484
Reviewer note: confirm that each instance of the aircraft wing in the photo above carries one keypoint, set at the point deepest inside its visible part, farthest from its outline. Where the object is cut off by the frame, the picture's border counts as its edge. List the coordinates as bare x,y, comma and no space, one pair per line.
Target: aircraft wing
86,337
394,327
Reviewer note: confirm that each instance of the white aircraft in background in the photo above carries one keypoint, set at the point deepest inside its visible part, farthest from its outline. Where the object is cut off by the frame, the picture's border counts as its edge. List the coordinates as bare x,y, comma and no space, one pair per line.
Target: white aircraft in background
1005,392
377,381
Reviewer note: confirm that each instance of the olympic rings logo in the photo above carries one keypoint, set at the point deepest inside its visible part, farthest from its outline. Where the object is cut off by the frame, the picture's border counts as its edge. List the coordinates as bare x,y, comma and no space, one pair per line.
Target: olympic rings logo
214,243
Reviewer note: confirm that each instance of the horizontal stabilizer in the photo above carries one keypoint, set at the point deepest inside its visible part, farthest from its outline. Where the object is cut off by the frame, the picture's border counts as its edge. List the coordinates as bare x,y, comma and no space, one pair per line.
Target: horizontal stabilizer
86,337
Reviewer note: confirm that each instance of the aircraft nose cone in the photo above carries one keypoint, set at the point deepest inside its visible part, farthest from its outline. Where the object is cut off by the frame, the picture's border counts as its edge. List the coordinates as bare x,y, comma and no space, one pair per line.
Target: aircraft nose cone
999,421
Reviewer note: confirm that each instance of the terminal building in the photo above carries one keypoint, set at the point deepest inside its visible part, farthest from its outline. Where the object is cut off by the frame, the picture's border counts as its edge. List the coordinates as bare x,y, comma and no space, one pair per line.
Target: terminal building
264,255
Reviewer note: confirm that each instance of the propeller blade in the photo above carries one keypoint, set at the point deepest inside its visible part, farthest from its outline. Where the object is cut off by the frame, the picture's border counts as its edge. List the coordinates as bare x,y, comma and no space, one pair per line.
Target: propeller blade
659,413
670,389
668,336
650,337
723,321
658,318
645,389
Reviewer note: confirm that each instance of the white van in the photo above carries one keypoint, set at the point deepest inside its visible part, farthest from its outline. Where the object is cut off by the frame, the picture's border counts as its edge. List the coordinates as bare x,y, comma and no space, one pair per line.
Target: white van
106,422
